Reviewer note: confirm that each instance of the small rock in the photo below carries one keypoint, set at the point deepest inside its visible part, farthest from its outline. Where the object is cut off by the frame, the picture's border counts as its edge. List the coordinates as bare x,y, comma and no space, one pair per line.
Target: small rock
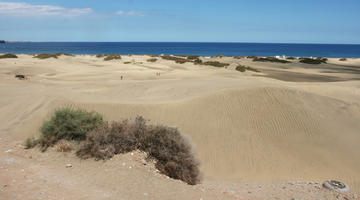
132,153
8,151
68,165
5,185
145,193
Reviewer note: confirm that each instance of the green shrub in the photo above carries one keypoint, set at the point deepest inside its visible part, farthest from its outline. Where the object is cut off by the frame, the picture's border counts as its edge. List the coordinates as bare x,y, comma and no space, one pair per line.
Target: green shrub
112,57
314,61
152,60
68,124
342,59
216,64
8,55
31,143
45,56
270,59
242,68
127,63
171,151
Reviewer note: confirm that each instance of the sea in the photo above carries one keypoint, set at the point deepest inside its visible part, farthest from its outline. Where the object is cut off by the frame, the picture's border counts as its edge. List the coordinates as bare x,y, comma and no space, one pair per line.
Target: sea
185,48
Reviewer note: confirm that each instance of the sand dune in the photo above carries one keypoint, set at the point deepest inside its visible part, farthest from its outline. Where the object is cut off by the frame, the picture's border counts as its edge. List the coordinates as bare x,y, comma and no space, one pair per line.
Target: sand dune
244,127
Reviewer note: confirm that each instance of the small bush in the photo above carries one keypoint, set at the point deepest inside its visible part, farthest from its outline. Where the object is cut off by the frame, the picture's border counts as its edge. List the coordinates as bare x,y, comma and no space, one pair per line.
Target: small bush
100,55
242,68
219,56
45,56
313,61
112,57
127,63
31,143
216,64
171,151
291,58
270,59
8,55
152,60
342,59
68,124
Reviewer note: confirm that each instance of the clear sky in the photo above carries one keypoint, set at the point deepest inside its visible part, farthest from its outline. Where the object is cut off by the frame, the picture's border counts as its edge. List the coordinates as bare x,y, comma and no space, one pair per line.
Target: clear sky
275,21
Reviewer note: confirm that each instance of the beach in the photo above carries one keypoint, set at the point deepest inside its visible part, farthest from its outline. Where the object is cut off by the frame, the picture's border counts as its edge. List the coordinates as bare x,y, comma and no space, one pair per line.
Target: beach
287,128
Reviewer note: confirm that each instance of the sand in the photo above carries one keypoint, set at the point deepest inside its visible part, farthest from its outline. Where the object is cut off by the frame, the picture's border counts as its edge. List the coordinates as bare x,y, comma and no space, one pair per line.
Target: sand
291,126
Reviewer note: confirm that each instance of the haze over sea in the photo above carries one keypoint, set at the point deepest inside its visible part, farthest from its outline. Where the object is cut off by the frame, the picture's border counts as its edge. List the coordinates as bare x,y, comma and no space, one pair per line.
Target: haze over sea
184,48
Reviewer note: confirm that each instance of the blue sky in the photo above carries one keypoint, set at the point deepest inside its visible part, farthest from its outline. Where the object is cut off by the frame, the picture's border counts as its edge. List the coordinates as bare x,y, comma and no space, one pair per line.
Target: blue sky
275,21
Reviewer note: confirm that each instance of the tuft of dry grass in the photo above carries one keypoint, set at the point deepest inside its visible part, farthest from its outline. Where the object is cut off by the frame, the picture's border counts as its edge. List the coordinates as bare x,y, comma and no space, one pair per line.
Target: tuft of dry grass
152,60
64,146
112,57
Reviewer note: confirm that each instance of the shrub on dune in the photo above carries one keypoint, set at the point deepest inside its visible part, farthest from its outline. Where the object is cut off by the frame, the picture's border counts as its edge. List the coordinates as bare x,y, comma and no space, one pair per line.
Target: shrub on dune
192,57
68,124
342,59
100,55
152,60
45,56
8,55
216,64
171,151
291,58
270,59
112,57
242,68
176,59
63,54
314,61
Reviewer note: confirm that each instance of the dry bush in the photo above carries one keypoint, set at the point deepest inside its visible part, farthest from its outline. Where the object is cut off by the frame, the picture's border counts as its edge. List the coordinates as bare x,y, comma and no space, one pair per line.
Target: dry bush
64,146
171,151
216,64
152,60
45,56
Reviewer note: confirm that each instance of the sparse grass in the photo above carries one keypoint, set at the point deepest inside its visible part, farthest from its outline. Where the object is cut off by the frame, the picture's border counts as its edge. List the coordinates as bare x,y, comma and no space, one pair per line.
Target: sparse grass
291,58
342,59
198,61
152,60
8,55
219,56
313,61
171,151
216,64
242,68
68,124
270,59
112,57
45,56
127,63
31,143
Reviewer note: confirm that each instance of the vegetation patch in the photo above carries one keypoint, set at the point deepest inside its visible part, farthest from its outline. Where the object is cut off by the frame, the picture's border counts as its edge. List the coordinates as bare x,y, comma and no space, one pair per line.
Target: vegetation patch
176,59
216,64
270,59
152,60
242,68
127,63
291,58
112,57
171,151
8,55
100,55
192,57
68,124
46,56
63,54
342,59
313,61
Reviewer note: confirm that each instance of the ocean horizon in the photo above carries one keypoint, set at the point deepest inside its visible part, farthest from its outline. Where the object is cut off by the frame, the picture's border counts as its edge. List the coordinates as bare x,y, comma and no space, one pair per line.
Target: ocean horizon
186,48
